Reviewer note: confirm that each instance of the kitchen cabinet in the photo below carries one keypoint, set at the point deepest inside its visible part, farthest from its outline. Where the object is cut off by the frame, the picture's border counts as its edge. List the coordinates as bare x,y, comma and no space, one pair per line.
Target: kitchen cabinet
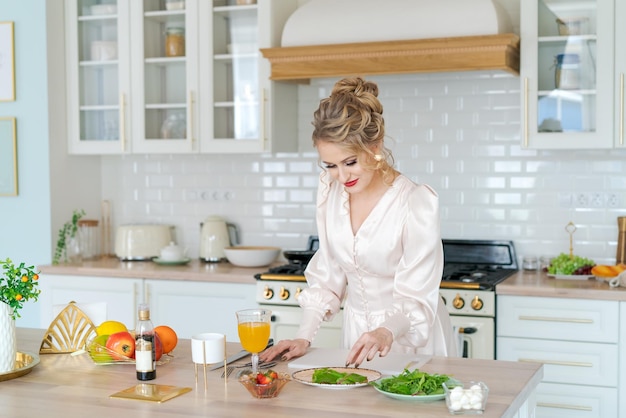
120,296
568,74
242,110
577,342
176,77
195,307
98,76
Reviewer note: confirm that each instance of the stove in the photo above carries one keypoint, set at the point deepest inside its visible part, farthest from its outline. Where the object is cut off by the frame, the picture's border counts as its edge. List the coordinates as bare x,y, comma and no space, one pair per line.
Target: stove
472,269
477,264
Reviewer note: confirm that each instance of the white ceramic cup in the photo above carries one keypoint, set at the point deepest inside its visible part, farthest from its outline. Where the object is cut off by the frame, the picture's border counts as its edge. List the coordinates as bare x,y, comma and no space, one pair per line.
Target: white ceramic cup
214,348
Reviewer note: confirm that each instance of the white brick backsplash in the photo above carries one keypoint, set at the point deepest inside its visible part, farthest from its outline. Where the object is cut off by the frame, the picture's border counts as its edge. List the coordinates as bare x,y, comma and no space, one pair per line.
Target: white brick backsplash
458,132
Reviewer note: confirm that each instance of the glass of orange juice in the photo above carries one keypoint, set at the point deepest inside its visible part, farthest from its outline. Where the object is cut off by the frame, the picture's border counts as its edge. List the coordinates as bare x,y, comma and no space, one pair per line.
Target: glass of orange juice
253,326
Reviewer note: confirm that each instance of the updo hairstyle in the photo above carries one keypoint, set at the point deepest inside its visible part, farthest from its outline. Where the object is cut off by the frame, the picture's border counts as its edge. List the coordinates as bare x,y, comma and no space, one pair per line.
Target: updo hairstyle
352,118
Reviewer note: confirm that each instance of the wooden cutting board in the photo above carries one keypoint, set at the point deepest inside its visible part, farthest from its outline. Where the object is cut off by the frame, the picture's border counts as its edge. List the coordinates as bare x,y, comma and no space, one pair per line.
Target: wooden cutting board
392,363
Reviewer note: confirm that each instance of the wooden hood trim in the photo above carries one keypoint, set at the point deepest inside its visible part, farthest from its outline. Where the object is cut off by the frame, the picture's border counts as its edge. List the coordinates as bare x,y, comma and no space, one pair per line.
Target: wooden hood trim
468,53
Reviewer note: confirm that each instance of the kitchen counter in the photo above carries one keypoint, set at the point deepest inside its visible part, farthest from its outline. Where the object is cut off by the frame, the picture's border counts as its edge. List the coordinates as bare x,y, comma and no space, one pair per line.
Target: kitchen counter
73,386
538,283
522,283
195,270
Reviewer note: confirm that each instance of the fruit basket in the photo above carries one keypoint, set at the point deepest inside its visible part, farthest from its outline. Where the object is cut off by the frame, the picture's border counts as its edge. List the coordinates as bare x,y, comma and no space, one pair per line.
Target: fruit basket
103,355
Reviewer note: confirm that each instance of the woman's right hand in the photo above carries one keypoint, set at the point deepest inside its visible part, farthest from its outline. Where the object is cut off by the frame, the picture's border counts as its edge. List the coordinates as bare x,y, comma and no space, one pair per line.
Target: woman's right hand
288,348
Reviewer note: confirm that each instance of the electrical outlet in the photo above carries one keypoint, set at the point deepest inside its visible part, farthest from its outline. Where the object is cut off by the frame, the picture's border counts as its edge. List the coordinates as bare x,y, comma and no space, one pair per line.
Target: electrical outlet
596,200
581,200
612,200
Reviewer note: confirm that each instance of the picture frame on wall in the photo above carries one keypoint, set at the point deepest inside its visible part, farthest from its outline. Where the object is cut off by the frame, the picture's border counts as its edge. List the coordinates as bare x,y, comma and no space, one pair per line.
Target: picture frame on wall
8,157
7,62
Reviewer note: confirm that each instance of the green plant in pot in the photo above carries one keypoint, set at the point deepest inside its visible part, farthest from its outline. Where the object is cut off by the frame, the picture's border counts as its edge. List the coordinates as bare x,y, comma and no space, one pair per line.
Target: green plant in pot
67,237
18,284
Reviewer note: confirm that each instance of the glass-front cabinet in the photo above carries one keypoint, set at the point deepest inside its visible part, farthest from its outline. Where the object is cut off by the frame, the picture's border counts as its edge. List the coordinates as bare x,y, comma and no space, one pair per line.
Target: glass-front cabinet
567,74
164,62
98,76
176,76
248,112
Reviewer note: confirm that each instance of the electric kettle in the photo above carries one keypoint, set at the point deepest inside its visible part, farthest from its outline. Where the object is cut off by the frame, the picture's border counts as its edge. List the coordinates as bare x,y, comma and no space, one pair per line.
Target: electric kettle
214,237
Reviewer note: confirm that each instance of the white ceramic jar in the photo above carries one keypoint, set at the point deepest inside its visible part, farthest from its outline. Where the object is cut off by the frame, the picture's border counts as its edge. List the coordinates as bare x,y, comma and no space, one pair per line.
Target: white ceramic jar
172,253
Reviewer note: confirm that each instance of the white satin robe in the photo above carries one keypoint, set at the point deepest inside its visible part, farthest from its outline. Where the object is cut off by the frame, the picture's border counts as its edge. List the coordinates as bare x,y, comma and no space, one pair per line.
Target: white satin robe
388,272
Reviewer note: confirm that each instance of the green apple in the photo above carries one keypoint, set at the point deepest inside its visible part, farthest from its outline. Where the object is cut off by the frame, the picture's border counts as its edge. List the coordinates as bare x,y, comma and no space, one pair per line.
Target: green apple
98,350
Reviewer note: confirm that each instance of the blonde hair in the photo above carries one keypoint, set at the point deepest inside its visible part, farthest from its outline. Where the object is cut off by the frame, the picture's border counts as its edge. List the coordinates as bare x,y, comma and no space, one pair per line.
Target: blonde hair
352,118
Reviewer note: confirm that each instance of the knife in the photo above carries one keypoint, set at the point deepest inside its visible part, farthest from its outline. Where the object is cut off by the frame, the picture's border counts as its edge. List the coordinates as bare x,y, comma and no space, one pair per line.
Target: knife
238,356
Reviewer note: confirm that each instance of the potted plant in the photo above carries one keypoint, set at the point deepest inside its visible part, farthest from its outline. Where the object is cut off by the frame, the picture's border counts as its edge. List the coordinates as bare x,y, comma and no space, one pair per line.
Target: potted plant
18,284
68,241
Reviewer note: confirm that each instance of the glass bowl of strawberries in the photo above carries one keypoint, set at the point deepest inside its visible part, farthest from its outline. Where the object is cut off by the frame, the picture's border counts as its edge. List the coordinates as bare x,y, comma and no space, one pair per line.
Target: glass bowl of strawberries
267,384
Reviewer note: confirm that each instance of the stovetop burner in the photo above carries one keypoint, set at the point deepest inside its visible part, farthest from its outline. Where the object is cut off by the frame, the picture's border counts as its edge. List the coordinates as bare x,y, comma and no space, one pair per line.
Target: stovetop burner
477,264
291,268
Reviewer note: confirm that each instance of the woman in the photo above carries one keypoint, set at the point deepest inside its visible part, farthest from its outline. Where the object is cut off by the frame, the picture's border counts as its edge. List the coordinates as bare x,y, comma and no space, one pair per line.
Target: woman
380,247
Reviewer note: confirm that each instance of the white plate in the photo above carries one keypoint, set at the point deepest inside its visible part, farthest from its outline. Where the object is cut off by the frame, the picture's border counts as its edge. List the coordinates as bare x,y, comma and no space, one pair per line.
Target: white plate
171,262
306,376
572,276
416,398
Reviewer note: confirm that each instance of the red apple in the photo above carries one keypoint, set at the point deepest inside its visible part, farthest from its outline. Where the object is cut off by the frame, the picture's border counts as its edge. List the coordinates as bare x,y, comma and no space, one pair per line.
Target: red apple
122,345
158,347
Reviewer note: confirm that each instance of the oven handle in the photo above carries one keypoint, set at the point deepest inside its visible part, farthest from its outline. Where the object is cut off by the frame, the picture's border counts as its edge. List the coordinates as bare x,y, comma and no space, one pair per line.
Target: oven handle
467,330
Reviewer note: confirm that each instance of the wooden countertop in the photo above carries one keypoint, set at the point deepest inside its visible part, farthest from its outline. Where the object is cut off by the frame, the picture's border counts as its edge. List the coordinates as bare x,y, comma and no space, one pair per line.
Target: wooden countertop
73,386
195,270
539,284
521,284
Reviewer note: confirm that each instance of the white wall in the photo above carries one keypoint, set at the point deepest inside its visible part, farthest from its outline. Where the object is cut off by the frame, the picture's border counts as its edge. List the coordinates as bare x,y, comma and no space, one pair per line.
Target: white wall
459,132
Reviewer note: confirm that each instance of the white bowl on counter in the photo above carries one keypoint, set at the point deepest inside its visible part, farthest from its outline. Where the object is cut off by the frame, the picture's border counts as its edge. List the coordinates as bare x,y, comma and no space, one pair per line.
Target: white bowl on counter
251,256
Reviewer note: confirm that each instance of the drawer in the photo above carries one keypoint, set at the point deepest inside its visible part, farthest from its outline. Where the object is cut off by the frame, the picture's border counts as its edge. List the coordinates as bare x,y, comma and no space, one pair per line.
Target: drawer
557,319
564,362
568,401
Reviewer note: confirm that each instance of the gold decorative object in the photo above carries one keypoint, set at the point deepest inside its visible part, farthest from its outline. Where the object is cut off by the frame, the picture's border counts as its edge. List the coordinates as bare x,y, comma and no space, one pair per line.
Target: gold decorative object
69,331
571,228
151,392
24,363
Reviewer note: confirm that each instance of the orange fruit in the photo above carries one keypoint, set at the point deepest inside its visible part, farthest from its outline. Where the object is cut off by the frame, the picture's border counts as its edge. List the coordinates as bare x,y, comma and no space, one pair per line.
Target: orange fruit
168,338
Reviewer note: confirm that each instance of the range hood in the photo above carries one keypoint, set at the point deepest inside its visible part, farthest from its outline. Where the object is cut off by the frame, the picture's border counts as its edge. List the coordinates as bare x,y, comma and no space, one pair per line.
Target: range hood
330,38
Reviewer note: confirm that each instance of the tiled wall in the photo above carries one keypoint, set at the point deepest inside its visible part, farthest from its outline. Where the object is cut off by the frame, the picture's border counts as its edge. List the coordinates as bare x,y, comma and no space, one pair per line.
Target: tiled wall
458,132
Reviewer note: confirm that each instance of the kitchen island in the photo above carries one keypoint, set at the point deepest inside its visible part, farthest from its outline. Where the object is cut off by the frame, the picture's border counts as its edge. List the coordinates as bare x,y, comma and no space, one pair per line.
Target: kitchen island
62,385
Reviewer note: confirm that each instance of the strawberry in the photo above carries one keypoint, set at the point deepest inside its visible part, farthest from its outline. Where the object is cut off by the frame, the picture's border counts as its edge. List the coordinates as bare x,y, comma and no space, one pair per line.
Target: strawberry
262,379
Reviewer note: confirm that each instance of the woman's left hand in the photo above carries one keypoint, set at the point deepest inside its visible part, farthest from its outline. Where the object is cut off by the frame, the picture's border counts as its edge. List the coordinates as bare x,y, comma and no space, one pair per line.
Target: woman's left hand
368,345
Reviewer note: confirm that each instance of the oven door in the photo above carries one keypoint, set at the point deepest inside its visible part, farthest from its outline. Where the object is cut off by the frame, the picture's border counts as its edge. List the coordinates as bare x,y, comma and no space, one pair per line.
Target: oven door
286,320
476,336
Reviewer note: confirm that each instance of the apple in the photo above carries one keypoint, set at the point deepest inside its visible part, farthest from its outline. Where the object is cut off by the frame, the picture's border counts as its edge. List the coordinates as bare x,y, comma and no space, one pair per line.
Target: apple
98,351
121,345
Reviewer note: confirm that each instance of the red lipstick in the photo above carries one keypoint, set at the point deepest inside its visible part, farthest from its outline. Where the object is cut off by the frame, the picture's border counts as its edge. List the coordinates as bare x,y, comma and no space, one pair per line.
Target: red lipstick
351,183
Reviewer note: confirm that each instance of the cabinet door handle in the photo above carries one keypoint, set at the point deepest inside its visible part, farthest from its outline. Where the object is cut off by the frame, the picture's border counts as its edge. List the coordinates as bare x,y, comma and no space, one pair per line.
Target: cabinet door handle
564,406
191,117
621,109
551,319
556,363
123,121
525,112
262,121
